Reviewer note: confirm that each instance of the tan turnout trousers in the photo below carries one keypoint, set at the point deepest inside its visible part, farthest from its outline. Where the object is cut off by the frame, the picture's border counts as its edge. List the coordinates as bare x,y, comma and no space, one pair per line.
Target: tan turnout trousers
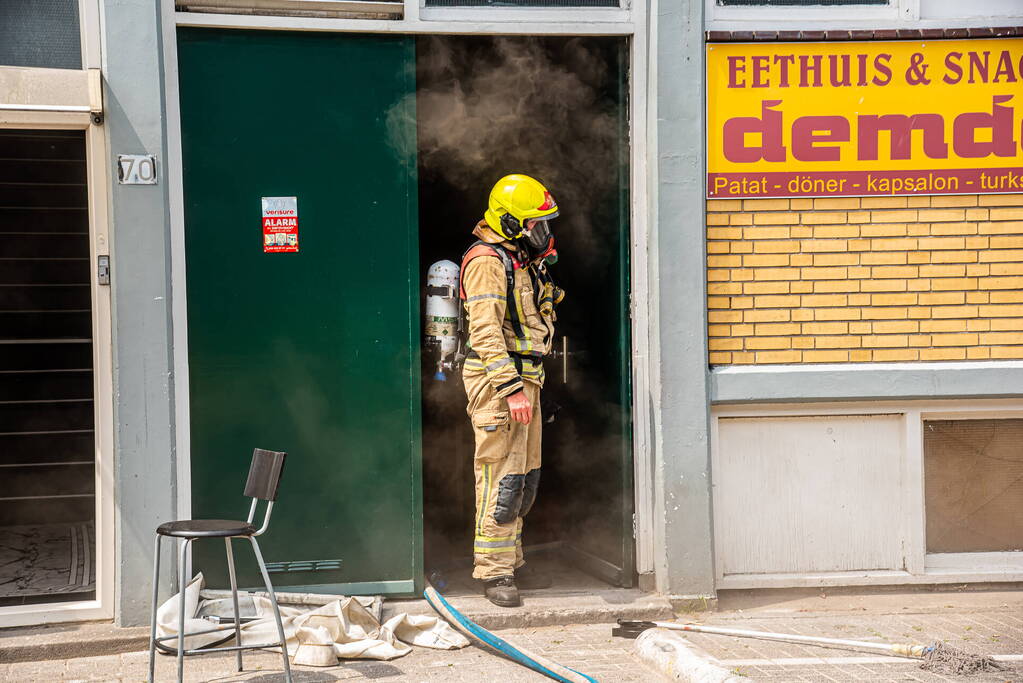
507,469
508,339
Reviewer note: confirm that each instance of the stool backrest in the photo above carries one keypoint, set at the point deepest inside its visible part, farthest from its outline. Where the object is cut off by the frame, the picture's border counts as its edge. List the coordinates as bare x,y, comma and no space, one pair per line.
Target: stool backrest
264,474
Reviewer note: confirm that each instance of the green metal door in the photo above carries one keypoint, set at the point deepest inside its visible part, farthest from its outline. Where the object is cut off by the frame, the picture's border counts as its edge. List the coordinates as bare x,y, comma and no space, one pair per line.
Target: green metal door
313,352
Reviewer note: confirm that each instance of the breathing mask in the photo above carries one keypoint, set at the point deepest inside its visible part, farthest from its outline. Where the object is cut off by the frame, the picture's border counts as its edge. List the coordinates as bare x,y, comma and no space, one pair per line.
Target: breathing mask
538,236
538,243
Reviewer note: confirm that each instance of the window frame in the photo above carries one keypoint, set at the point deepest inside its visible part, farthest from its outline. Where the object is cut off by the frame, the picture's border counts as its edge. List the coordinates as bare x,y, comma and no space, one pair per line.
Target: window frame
950,9
508,13
76,115
899,14
40,111
802,4
483,14
405,14
822,16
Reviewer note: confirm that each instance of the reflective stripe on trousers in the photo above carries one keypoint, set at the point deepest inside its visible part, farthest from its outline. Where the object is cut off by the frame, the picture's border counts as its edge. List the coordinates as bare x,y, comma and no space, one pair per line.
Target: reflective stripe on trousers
506,464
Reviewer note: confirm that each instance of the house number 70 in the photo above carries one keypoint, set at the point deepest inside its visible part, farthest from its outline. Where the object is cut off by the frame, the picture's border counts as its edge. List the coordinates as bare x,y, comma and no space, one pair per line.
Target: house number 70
136,169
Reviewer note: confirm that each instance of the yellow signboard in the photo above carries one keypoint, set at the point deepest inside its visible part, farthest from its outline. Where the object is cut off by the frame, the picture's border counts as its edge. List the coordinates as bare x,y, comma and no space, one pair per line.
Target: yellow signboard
858,119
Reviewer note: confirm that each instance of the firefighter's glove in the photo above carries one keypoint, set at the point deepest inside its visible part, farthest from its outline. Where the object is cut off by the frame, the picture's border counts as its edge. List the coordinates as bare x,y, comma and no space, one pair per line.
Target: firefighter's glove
520,407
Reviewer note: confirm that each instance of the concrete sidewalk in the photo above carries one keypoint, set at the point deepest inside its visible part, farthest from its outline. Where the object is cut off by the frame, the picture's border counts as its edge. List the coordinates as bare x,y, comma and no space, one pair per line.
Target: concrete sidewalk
982,622
551,607
570,625
586,647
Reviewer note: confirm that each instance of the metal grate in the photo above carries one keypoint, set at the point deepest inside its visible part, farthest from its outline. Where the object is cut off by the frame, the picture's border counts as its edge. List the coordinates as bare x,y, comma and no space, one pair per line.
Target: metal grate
303,566
522,3
798,3
40,33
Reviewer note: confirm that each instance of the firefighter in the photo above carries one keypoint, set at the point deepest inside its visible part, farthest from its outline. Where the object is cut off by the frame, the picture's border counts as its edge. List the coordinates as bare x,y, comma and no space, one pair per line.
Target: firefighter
509,301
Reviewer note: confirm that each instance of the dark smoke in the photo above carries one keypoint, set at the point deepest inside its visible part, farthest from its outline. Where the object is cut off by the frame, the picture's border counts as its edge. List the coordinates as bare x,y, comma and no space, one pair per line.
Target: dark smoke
552,108
506,107
548,108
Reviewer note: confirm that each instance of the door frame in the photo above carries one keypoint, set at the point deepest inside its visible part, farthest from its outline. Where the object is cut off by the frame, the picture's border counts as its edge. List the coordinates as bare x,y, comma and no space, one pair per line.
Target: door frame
81,114
632,21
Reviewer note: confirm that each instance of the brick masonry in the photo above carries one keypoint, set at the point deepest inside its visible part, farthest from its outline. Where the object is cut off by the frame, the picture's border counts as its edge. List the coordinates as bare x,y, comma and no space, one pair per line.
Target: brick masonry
872,279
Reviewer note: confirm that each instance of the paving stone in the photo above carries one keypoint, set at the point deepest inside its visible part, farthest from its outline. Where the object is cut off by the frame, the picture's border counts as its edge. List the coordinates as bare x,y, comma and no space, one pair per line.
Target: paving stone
984,625
988,627
588,648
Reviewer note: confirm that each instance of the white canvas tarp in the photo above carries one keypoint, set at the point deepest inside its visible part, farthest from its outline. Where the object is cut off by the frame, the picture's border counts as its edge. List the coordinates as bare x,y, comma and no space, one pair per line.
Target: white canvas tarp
342,629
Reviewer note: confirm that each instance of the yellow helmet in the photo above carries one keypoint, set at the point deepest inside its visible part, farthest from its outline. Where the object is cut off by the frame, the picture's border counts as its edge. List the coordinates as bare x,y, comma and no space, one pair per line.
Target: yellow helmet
515,199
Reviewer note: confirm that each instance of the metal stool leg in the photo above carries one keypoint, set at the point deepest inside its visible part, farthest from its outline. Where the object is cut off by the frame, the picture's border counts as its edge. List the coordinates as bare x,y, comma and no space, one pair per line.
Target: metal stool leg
181,614
277,611
152,629
234,596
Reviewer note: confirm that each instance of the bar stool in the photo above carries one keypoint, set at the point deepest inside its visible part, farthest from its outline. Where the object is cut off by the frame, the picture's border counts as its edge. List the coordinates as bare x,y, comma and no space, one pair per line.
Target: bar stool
264,477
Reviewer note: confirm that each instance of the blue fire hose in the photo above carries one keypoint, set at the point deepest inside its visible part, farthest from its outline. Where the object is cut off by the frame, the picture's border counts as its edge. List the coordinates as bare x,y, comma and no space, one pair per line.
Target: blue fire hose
482,636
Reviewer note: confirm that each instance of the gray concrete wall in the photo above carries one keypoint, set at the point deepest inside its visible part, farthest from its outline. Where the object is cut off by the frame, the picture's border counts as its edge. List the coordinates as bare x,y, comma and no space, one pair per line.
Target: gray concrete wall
140,267
867,381
682,528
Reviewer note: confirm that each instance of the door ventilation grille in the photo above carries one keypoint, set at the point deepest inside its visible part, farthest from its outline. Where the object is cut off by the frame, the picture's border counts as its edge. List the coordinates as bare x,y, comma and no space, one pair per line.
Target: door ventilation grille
303,566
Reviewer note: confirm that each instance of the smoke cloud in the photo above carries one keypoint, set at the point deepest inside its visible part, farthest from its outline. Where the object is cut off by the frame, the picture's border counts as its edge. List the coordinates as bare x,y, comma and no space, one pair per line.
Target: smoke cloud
553,108
506,106
545,107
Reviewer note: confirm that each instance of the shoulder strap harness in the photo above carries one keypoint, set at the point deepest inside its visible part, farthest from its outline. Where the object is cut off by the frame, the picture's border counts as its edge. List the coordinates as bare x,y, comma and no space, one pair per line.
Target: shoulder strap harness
481,248
511,264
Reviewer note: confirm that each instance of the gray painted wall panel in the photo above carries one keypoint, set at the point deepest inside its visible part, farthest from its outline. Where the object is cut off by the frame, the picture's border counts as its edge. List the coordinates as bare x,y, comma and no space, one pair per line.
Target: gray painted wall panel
809,494
790,383
140,266
683,558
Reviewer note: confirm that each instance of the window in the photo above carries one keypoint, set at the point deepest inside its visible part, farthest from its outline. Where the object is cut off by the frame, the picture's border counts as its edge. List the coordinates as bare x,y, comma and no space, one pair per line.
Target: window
522,3
40,33
797,3
990,12
973,478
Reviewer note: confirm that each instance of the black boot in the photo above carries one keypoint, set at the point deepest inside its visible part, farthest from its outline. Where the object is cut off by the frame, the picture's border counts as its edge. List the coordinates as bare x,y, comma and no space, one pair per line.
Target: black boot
531,579
502,591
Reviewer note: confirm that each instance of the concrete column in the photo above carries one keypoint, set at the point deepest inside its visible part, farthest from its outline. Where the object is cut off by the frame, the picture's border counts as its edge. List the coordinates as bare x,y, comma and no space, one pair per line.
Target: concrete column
144,452
683,540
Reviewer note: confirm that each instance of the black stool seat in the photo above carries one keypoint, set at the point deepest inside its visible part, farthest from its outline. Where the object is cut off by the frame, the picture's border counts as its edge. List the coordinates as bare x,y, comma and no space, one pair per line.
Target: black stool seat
206,528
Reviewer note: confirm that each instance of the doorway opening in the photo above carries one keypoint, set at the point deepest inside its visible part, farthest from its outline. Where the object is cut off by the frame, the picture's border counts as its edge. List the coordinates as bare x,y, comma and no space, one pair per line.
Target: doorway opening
554,108
47,438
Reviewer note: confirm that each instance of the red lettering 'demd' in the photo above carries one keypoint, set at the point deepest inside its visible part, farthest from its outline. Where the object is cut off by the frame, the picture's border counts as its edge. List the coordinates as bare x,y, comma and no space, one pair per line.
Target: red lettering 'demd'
811,135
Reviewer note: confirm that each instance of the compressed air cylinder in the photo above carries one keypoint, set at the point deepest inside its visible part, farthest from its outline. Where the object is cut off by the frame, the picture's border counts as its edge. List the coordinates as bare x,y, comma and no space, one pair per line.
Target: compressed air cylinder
442,309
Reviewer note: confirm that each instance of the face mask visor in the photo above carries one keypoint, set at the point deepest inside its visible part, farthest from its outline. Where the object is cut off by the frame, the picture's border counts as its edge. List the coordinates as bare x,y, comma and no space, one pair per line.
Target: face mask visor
539,235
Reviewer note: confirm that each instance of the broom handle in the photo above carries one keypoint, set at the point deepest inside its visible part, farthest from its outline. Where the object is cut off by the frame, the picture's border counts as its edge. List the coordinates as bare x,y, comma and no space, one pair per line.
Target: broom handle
902,650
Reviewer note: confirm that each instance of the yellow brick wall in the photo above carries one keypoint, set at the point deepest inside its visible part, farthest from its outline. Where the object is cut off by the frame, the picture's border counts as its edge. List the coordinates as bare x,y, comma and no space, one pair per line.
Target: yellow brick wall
865,279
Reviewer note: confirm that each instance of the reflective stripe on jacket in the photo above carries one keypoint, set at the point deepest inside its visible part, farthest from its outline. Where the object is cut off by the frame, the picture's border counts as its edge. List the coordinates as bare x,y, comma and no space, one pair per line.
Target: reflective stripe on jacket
497,325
